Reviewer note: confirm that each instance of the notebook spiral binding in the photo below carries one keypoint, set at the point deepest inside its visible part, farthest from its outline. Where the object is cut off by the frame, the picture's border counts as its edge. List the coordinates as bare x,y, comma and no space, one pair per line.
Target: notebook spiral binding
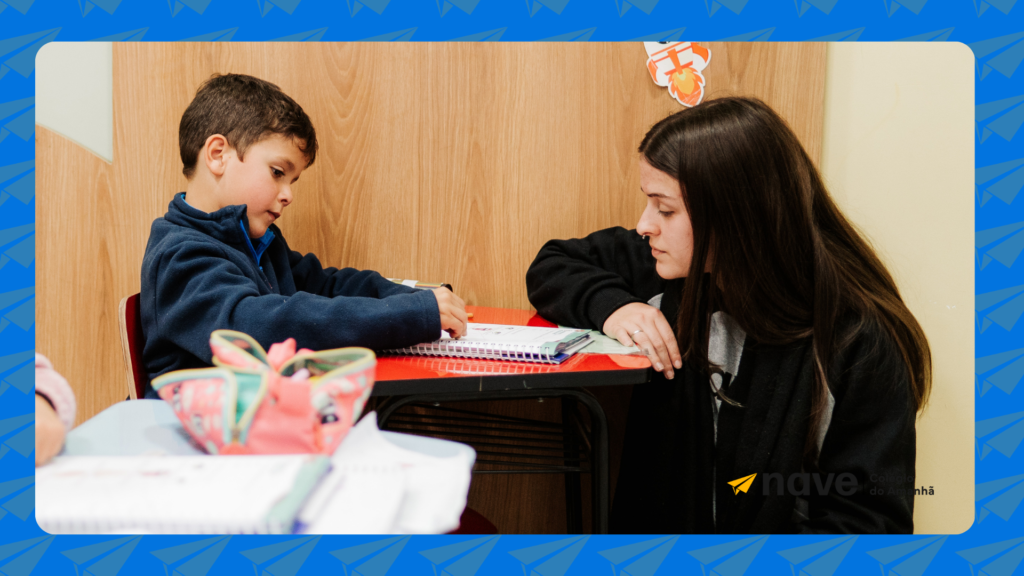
517,352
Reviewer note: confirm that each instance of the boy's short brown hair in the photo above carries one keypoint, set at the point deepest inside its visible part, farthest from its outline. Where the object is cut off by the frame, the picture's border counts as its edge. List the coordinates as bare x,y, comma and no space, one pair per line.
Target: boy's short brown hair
243,109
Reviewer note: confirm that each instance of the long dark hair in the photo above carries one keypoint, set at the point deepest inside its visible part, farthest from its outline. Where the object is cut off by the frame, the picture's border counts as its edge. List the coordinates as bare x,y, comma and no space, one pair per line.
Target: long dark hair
783,260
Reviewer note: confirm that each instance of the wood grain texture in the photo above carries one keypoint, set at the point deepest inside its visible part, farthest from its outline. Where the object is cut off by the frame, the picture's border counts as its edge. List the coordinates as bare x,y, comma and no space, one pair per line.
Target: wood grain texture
788,76
451,162
442,162
76,315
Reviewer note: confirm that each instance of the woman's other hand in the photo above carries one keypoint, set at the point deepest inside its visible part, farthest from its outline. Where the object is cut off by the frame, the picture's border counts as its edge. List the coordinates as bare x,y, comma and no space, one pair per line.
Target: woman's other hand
453,312
49,431
645,326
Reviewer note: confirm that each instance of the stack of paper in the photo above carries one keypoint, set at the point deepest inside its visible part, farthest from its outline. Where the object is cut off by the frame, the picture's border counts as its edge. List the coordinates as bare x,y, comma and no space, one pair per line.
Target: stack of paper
409,491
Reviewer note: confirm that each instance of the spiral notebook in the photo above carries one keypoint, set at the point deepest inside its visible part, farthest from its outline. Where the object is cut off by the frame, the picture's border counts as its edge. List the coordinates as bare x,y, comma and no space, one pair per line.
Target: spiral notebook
176,494
502,342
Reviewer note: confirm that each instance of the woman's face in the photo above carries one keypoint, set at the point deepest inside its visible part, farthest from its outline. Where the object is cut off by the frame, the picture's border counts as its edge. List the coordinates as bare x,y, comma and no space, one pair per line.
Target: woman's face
666,222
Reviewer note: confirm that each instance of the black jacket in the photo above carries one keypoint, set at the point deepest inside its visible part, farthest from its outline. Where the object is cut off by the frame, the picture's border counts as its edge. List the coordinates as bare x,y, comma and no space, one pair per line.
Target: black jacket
199,275
674,474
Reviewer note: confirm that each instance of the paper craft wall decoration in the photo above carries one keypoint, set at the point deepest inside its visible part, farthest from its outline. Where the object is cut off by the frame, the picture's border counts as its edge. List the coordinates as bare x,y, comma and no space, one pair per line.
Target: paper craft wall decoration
678,66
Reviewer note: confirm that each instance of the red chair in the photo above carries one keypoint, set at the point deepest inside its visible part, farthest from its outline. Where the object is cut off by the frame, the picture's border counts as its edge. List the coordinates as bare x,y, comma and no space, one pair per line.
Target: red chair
130,320
472,522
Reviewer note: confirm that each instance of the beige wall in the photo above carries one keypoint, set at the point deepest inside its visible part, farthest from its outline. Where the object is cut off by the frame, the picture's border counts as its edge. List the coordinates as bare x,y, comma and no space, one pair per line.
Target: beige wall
898,155
84,70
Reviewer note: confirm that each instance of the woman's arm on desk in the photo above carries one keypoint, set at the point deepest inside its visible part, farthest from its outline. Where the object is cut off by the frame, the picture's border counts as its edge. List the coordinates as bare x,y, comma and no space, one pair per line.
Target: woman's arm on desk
582,281
604,282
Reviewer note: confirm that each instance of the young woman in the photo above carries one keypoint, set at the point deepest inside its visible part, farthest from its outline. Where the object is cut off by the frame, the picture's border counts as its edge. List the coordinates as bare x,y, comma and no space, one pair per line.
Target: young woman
781,344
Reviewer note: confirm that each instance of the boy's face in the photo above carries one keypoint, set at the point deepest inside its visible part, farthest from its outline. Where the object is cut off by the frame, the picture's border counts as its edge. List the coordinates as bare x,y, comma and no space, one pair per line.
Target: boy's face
263,181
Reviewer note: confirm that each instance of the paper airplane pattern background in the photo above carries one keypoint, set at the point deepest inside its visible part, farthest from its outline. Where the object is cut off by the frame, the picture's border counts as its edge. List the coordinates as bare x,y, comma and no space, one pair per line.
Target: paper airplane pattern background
645,6
1002,181
283,558
915,6
909,558
1002,117
22,557
640,558
373,558
731,558
996,559
104,557
1001,307
1002,434
1002,371
819,559
1000,497
1002,54
550,558
195,558
734,6
1004,6
844,36
556,6
462,558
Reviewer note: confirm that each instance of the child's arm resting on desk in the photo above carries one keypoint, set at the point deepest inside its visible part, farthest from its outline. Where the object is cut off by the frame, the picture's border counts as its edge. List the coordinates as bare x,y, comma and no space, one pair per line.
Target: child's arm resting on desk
198,291
581,282
311,276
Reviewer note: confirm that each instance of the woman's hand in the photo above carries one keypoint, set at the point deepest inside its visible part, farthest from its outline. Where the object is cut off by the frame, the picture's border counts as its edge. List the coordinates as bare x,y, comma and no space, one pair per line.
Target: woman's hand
453,312
645,326
49,432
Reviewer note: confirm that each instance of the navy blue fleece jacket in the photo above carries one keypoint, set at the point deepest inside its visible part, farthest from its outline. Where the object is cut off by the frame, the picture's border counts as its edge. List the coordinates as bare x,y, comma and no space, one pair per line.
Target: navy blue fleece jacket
199,274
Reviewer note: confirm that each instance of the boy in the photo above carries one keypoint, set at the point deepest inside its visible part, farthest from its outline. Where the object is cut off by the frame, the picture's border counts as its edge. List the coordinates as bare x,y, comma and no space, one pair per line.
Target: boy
217,261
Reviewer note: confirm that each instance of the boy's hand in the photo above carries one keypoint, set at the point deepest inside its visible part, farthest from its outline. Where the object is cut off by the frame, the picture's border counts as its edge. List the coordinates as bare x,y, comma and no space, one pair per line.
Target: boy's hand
49,432
646,327
453,312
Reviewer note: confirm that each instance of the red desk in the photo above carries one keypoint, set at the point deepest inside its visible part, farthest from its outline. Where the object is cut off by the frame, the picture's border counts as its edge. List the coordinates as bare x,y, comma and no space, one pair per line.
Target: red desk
399,375
428,381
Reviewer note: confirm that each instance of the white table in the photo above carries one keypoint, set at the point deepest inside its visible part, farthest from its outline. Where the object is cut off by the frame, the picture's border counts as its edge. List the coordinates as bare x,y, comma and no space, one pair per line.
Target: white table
150,428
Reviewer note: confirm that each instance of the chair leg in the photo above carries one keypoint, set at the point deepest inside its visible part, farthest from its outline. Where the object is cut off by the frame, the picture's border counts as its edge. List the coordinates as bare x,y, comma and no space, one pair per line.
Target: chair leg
598,462
388,407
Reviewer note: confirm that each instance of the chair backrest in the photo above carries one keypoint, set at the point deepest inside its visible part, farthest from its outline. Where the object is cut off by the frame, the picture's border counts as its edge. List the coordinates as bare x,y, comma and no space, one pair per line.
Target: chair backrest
130,320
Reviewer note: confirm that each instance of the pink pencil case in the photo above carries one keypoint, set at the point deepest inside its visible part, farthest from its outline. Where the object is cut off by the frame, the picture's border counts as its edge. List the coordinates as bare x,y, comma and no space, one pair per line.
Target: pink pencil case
281,402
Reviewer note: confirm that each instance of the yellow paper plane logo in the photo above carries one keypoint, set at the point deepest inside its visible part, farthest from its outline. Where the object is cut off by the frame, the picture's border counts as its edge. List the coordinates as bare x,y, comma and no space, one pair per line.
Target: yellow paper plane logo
742,484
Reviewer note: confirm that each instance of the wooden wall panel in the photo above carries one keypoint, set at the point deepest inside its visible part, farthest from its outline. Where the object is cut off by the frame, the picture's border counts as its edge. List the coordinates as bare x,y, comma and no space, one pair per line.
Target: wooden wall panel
788,76
447,161
76,315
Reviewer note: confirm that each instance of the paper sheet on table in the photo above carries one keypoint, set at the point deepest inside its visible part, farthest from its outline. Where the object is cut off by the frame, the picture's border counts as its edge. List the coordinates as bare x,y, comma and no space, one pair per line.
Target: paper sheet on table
355,499
404,492
601,344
